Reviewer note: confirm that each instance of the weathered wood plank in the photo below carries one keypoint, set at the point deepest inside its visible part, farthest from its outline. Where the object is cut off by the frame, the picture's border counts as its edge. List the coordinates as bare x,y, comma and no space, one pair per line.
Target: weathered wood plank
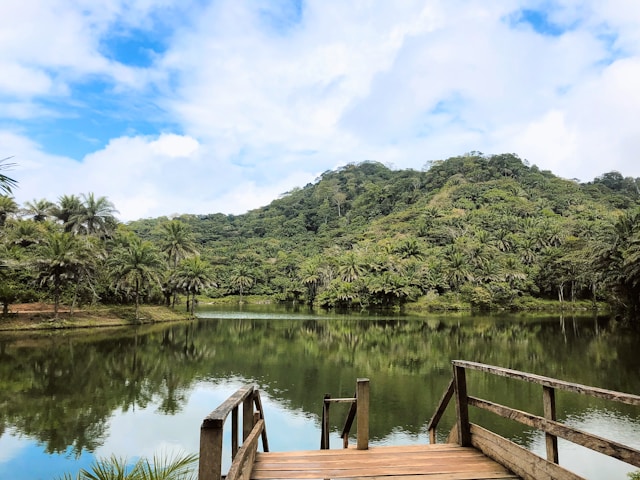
243,462
462,406
420,462
442,407
517,459
210,461
476,469
258,403
216,418
589,440
551,382
362,419
549,408
377,450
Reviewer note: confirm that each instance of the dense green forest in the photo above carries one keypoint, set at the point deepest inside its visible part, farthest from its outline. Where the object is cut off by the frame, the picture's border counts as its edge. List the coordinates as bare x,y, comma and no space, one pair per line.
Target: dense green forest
480,231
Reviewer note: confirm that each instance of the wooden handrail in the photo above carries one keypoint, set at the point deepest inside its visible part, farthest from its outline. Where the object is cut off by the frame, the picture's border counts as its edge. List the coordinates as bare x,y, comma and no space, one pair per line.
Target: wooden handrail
359,409
574,435
612,395
442,407
211,433
501,449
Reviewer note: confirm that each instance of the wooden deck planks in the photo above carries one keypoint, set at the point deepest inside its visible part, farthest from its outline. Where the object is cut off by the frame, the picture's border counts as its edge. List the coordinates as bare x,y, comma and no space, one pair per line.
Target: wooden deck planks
417,462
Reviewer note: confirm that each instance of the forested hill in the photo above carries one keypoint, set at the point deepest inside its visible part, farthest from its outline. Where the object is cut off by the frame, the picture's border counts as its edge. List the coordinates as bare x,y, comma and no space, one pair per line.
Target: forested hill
490,230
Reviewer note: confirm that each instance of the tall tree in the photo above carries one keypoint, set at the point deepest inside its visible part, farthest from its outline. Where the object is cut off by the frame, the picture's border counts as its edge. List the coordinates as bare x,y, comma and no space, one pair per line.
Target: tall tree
8,207
95,217
135,265
241,279
39,210
60,258
192,276
177,242
68,207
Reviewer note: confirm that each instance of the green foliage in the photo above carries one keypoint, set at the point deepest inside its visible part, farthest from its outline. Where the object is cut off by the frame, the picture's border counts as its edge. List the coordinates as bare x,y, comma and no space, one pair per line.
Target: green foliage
161,468
480,231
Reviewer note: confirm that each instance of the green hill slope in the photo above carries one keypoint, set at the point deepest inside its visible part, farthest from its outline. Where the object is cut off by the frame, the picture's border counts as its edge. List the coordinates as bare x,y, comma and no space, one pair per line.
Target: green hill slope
487,231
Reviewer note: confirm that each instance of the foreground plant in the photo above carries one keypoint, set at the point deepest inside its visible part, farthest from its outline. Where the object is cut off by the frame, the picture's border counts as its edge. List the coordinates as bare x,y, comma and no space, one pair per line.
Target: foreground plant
180,467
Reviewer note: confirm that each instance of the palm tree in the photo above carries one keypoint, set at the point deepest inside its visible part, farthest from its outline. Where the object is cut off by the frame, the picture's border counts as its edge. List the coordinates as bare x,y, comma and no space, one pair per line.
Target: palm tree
8,207
25,233
193,275
39,210
114,468
6,183
241,279
177,242
309,275
350,267
134,265
95,217
60,259
68,207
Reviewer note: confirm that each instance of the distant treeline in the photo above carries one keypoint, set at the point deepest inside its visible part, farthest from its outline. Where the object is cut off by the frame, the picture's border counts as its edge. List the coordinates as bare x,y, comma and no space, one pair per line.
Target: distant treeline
485,231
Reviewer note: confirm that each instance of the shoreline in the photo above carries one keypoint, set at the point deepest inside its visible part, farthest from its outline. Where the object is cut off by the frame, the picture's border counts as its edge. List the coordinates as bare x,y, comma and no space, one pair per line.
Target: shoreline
40,317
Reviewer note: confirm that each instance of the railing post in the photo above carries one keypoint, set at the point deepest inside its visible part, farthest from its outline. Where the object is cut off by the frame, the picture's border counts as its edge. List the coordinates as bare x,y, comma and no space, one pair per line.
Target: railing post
549,406
210,463
234,432
324,436
362,405
247,416
462,406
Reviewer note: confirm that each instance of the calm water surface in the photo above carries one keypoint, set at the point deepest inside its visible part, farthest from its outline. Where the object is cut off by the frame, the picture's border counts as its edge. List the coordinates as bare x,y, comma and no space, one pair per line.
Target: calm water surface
69,397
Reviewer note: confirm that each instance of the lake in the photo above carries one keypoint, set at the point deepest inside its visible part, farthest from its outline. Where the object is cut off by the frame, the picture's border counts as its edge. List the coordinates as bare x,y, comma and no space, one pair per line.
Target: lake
67,397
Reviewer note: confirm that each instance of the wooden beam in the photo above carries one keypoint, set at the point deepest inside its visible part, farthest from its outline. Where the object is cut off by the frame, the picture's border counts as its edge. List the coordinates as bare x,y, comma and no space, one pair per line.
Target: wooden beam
220,414
627,398
258,403
519,460
210,458
598,444
442,407
549,407
362,405
243,463
462,407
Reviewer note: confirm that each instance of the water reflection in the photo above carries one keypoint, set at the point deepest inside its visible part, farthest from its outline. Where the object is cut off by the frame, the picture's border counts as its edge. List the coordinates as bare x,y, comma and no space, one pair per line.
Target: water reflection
71,395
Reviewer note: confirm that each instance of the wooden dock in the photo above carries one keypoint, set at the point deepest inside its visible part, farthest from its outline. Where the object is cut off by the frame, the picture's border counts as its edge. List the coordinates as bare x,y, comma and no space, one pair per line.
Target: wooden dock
416,462
473,451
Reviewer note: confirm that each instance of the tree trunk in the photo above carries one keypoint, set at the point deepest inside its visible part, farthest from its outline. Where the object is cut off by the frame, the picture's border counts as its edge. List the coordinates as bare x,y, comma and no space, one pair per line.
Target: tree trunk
137,294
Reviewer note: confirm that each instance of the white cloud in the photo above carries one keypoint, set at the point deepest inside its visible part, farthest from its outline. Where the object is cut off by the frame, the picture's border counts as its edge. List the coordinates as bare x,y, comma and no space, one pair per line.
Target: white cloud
258,106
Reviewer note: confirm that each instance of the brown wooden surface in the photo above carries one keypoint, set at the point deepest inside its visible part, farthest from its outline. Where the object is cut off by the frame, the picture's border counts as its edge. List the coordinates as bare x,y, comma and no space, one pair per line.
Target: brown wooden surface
519,460
612,395
415,462
442,407
549,407
216,418
241,466
362,409
589,440
462,406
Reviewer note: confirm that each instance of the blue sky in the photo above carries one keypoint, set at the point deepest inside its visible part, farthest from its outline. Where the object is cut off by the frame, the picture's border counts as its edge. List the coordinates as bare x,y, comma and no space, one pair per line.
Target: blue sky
204,106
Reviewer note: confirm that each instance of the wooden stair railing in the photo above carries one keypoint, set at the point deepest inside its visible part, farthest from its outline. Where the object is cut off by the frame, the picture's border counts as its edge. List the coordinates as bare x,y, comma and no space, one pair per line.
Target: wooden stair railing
519,460
359,407
211,436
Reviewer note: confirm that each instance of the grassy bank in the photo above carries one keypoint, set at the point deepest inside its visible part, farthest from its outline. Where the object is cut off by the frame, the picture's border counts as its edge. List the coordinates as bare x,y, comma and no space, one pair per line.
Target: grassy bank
41,317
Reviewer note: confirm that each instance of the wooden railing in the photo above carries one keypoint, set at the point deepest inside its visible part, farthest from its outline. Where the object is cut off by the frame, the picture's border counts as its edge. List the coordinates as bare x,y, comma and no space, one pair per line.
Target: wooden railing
359,407
211,436
519,460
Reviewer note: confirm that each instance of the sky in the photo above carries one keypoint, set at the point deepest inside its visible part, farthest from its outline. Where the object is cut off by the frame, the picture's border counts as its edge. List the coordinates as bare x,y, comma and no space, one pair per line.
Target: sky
204,106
